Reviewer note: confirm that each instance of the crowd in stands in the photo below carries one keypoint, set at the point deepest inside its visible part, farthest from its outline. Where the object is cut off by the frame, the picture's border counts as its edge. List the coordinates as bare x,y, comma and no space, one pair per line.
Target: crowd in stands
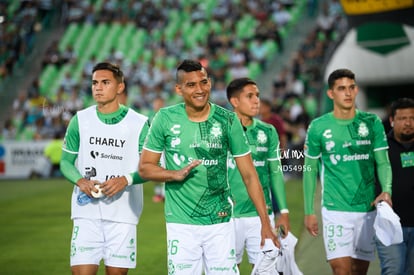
19,23
226,48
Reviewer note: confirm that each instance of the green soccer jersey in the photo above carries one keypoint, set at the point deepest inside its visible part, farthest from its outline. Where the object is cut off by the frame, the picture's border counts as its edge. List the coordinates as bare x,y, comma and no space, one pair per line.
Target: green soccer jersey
204,196
347,167
264,145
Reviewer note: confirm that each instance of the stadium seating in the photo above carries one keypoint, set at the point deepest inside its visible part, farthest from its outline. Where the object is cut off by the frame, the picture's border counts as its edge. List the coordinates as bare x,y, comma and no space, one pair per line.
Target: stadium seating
136,43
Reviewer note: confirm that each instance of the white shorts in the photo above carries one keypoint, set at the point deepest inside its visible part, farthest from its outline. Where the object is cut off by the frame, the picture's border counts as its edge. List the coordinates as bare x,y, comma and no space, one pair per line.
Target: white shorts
248,236
192,247
349,234
94,240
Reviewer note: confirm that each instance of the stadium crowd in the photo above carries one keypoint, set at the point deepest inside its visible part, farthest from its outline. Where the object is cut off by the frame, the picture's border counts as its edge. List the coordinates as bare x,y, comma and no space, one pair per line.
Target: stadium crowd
228,52
19,23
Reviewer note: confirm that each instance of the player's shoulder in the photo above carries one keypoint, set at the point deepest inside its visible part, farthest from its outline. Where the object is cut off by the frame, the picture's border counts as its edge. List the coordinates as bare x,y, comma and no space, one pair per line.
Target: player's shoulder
363,115
136,114
322,120
176,109
221,111
90,109
260,124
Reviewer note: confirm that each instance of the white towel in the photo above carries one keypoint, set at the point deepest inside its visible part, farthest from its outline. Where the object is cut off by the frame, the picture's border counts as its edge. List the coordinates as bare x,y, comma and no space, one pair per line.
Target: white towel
288,263
266,260
387,225
273,260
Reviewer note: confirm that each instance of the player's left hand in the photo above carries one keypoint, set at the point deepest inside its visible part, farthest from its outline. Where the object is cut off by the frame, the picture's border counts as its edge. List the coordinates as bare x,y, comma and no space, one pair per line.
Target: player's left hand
113,186
283,220
384,196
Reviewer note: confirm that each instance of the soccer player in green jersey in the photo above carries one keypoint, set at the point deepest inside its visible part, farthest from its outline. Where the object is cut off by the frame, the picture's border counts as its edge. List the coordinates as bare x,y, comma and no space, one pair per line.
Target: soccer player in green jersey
101,146
243,95
347,147
196,137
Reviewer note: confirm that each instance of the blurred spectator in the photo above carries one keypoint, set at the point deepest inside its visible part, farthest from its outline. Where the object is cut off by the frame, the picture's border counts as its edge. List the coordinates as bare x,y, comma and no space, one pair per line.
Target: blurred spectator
53,153
268,114
281,16
9,131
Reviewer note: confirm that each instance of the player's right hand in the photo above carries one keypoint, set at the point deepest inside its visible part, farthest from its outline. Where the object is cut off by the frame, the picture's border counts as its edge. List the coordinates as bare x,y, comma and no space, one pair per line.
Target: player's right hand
184,172
311,224
86,186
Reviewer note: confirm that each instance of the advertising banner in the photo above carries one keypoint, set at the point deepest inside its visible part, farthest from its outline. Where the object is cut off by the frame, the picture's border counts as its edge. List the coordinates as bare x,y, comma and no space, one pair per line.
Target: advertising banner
19,159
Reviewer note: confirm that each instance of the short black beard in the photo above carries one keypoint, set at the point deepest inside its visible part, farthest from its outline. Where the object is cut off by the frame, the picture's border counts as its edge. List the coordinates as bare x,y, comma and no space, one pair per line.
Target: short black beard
407,138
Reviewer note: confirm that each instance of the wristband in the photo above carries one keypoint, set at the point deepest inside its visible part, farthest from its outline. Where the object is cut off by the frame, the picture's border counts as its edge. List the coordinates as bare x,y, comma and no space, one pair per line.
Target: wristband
129,179
284,211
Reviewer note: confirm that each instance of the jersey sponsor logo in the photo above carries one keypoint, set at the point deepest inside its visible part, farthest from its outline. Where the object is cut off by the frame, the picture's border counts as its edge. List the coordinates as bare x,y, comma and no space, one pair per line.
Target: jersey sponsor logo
110,156
175,129
206,162
175,141
355,157
259,163
179,159
363,130
335,158
262,149
113,142
90,172
329,145
327,133
363,142
214,145
96,154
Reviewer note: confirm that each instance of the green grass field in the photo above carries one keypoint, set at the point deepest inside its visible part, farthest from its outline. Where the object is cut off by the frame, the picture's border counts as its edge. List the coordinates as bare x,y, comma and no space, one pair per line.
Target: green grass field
35,228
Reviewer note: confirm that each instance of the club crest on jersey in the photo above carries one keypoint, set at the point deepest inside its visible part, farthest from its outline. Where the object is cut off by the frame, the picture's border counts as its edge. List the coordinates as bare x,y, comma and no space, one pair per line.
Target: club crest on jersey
363,130
216,130
261,137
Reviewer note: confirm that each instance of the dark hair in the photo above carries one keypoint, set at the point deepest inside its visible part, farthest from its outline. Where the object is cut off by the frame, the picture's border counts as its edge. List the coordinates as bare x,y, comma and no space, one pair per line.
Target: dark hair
337,74
118,74
187,66
237,85
401,103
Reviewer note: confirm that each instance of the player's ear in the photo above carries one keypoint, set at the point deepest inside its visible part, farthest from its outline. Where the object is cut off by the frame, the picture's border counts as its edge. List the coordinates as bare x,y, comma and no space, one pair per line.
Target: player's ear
329,92
234,101
121,87
178,90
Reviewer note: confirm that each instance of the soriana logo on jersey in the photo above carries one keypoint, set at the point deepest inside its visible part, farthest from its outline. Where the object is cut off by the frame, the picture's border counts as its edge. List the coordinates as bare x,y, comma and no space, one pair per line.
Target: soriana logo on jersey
336,158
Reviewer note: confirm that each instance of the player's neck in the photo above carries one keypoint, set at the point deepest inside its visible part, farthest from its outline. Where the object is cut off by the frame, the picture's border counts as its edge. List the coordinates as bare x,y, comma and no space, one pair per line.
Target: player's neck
108,108
198,115
341,113
245,120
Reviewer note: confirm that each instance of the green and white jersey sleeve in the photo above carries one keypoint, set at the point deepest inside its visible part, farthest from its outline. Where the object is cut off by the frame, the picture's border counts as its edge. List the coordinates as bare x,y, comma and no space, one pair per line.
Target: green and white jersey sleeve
264,145
204,196
347,165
